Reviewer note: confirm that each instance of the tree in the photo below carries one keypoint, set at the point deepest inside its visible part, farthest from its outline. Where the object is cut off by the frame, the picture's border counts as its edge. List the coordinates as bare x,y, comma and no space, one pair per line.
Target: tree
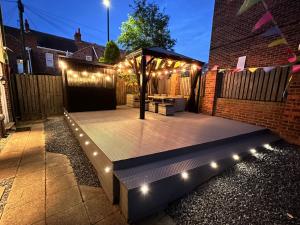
111,53
147,26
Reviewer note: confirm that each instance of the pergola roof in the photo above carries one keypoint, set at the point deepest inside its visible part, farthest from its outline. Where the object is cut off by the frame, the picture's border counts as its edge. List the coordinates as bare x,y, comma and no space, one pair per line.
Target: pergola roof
163,53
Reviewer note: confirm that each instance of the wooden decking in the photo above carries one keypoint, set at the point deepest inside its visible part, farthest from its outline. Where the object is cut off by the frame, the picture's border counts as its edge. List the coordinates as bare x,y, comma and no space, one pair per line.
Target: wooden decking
121,135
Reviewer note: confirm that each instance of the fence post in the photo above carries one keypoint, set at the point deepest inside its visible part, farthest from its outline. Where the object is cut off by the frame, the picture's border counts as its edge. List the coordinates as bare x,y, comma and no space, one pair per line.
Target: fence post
218,90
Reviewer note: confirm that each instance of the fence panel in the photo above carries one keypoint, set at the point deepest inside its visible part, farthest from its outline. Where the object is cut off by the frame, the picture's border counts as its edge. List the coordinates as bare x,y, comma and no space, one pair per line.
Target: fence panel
39,96
257,86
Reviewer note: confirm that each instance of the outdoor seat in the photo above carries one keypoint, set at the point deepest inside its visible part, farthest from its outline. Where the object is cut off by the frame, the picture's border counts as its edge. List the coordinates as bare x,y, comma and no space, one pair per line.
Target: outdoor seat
153,107
166,109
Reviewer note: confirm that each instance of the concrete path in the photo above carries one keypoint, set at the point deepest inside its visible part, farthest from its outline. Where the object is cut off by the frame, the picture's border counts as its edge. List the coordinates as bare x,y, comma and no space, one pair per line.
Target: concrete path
44,189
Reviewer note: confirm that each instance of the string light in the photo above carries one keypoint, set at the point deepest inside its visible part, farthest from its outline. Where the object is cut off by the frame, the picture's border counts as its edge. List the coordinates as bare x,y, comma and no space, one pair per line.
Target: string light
75,75
70,71
84,73
93,77
144,189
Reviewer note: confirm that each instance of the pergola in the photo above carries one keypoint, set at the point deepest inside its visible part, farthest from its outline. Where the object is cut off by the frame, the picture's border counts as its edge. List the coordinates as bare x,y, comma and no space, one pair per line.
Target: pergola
146,63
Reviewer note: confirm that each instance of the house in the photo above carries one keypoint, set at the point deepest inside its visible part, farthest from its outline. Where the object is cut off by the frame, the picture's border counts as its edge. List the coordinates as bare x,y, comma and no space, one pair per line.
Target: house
233,35
43,50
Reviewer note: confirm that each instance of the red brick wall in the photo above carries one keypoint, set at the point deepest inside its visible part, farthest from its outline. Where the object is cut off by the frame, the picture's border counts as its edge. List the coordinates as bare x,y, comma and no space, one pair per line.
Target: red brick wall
232,36
281,117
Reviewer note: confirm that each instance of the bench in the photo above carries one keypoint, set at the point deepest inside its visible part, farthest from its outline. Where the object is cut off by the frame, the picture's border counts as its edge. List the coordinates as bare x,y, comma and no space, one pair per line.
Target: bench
166,109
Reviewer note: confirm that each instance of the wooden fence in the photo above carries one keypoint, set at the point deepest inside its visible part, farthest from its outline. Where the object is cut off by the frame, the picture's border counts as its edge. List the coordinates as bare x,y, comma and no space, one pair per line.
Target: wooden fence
39,96
257,86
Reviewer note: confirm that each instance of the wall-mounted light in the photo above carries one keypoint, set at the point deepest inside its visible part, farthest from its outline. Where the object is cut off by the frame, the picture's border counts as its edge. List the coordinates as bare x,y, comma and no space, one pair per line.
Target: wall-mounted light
213,165
144,189
236,157
253,151
184,175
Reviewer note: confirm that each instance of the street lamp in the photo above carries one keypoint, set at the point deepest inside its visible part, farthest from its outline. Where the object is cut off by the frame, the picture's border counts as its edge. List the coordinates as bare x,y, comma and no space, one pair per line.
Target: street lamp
106,3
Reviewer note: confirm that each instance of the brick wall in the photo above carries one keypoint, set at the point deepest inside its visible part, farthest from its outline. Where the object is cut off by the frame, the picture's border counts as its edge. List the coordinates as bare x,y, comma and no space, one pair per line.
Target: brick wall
281,117
232,36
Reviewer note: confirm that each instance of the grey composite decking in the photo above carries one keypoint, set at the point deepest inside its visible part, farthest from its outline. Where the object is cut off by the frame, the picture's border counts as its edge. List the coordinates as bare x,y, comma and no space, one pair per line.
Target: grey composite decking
121,135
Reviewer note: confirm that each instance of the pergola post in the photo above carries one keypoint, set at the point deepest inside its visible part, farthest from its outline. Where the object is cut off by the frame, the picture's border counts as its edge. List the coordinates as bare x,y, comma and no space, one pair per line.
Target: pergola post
143,82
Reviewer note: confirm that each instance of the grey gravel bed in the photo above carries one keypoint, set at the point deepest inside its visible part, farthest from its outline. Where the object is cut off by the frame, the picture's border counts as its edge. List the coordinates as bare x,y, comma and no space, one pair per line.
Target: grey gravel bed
259,190
7,184
59,139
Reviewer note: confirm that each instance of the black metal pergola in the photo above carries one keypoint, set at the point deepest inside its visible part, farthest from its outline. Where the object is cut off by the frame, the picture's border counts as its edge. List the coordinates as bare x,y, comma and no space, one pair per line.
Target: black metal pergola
148,62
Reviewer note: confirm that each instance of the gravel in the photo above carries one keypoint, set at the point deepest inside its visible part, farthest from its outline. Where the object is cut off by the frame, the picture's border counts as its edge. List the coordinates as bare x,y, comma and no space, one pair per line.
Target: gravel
262,189
7,184
59,139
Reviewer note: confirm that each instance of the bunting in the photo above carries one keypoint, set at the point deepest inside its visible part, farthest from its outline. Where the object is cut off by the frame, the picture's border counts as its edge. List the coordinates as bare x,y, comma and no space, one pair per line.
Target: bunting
281,41
273,31
252,69
215,68
247,5
266,18
268,68
292,59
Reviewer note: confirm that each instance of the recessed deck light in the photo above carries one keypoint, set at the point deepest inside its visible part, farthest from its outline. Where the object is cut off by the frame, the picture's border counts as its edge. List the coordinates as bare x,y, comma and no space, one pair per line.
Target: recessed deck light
267,146
76,129
144,189
95,153
214,165
184,175
107,169
253,151
81,135
236,157
73,124
87,143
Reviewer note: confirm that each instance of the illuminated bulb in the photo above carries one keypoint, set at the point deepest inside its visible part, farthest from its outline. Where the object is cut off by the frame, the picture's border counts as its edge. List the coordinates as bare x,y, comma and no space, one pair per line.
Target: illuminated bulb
70,71
253,151
99,74
174,71
119,70
66,115
106,3
267,146
76,129
93,77
95,153
129,71
127,63
183,70
166,72
184,175
194,67
144,189
107,78
214,165
73,124
75,75
87,143
84,73
236,157
62,65
147,73
153,74
170,62
159,73
80,135
107,169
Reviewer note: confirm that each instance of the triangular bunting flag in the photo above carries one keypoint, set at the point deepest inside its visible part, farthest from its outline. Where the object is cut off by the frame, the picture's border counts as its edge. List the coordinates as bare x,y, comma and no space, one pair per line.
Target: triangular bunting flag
215,68
247,5
292,59
253,69
268,68
281,41
296,69
267,17
177,64
273,31
221,70
158,61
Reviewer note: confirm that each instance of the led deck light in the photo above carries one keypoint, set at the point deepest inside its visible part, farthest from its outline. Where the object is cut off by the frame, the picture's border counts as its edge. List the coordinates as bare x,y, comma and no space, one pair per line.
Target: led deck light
81,135
184,175
236,157
107,169
95,153
144,189
214,165
73,124
87,143
76,129
253,151
267,146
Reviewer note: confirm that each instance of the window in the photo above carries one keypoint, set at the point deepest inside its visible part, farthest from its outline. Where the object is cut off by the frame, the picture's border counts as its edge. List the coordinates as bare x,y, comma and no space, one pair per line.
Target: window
49,60
20,65
88,58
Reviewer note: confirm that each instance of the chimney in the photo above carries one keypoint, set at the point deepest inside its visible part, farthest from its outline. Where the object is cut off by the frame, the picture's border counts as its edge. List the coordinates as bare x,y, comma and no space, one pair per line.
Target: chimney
77,35
27,28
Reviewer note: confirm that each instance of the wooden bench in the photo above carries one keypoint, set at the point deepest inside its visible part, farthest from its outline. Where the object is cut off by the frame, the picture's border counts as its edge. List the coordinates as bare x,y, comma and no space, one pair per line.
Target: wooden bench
166,109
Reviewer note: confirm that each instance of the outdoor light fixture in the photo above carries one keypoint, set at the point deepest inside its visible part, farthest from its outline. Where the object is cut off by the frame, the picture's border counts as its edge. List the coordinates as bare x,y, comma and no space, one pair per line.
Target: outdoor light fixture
213,165
73,124
75,75
106,3
81,135
253,151
144,189
107,169
76,129
184,175
93,77
84,73
70,71
107,78
267,146
236,157
87,143
95,153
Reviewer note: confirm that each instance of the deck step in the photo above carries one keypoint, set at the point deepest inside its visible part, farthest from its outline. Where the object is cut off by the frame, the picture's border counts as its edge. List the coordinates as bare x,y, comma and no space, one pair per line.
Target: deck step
164,179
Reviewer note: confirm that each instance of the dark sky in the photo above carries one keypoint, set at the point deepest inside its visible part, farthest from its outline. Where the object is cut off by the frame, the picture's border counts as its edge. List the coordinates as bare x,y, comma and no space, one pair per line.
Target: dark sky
190,20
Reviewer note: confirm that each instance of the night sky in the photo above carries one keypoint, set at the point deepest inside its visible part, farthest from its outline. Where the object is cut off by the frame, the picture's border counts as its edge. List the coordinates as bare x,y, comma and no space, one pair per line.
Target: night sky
190,20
